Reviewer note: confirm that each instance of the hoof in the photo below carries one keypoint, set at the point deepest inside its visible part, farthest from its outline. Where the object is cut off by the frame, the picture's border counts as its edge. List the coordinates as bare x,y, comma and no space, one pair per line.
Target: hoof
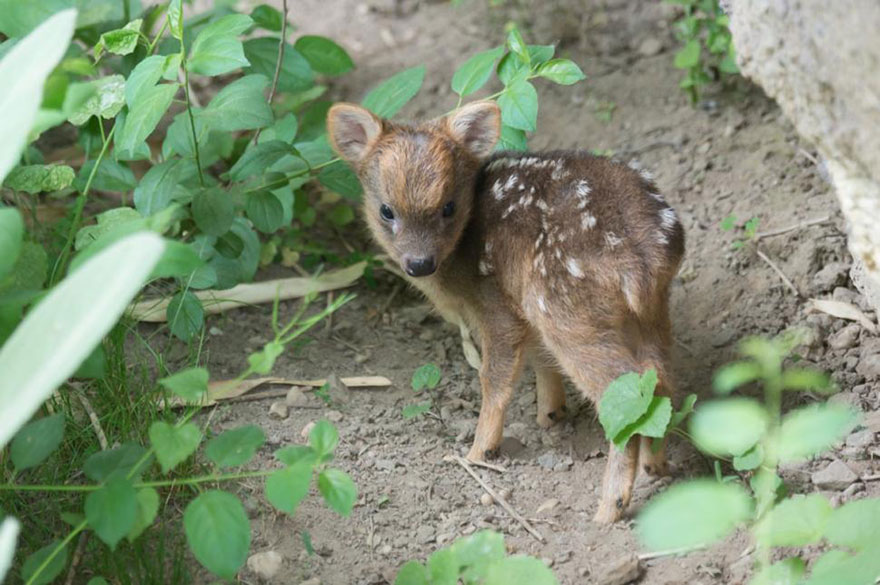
548,419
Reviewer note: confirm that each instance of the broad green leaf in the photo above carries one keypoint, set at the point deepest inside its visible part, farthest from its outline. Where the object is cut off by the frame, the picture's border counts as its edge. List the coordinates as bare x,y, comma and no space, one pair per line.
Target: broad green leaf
651,424
296,73
412,573
118,462
242,268
837,567
34,363
144,76
235,446
108,99
11,233
185,314
122,41
163,184
110,176
340,178
295,453
812,429
511,69
512,139
30,269
749,460
338,490
625,401
147,509
107,222
414,410
519,570
518,46
257,159
323,438
218,532
24,70
36,441
797,521
388,97
263,360
426,376
213,211
732,376
730,426
324,55
264,209
190,384
787,572
287,487
175,18
179,261
804,379
689,56
36,560
692,514
443,567
217,49
475,553
94,366
39,178
561,71
144,115
112,510
539,54
173,443
519,105
855,525
267,17
475,72
9,529
284,129
239,106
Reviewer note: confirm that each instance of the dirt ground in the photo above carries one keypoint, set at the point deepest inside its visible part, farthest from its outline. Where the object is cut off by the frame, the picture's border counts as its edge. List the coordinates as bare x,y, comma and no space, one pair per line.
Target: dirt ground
735,153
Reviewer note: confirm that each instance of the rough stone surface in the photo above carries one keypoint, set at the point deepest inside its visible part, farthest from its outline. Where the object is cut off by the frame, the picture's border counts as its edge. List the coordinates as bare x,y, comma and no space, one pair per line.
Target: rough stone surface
624,570
820,61
845,338
265,565
835,476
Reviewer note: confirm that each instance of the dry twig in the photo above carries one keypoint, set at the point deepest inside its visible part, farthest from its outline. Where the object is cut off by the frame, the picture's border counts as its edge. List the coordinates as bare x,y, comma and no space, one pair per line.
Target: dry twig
77,557
93,419
778,271
670,553
791,228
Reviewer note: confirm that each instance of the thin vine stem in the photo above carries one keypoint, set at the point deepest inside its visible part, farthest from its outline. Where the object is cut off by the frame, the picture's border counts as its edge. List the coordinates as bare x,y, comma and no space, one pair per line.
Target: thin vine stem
281,42
192,120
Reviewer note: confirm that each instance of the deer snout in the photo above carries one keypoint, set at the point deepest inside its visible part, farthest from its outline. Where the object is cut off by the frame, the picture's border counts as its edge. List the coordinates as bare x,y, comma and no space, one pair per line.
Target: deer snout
419,266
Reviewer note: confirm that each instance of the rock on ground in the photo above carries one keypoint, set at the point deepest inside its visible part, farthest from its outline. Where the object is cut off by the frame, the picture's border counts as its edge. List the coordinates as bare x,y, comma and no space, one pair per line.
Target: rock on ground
835,476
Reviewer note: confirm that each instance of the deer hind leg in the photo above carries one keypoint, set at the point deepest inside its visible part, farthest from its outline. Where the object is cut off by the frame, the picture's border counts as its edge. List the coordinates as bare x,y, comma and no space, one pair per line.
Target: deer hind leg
655,354
550,395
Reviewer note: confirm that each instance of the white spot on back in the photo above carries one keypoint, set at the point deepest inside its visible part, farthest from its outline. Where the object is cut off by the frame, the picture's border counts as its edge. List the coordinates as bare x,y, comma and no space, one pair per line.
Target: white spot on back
574,268
588,221
612,240
541,303
657,197
629,292
668,219
498,190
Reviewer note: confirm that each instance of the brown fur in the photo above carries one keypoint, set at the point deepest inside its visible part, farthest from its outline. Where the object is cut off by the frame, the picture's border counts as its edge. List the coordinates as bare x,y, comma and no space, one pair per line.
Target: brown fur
562,260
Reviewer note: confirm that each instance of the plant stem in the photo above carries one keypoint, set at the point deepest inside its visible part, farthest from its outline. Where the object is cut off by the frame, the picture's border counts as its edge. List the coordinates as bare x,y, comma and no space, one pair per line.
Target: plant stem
79,528
281,42
61,263
278,183
205,478
158,37
192,120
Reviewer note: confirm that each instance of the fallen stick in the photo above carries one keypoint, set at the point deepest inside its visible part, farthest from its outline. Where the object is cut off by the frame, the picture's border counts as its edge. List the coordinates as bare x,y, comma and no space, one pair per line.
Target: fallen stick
671,552
842,310
93,419
497,497
791,228
778,271
254,293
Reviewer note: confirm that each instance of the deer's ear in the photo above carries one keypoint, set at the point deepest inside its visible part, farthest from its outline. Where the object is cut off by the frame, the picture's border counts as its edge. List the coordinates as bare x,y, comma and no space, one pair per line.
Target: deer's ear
477,126
352,130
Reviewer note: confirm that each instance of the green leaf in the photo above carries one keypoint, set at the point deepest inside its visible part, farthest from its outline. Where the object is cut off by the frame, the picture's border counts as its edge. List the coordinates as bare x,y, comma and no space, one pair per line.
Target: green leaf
519,105
797,521
118,462
388,97
217,49
94,366
339,178
144,76
786,572
540,53
426,376
190,384
265,210
693,514
443,567
147,509
163,184
749,460
144,115
324,55
236,446
837,567
39,178
855,525
173,444
257,159
625,401
293,454
728,223
110,176
687,407
30,270
323,438
107,100
414,410
36,560
518,46
109,222
175,18
213,211
651,424
341,215
812,429
296,73
239,106
338,490
512,139
218,532
561,71
475,72
519,570
122,41
112,510
262,361
267,17
475,553
179,261
730,426
287,487
36,441
412,573
732,376
804,379
511,69
11,233
689,56
185,314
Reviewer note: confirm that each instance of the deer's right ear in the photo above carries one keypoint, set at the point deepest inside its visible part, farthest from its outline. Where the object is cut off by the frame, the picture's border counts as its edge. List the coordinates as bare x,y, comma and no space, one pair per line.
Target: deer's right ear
352,130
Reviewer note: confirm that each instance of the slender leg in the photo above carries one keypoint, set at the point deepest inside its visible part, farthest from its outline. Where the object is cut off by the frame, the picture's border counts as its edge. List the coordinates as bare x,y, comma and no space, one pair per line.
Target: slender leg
551,395
651,462
620,474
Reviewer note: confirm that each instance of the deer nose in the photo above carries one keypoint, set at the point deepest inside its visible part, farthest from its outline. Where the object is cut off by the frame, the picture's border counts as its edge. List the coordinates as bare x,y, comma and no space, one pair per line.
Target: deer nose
419,266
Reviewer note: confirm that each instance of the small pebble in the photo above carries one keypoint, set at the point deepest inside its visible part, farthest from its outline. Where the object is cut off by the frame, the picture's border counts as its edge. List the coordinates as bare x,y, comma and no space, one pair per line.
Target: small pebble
486,499
278,410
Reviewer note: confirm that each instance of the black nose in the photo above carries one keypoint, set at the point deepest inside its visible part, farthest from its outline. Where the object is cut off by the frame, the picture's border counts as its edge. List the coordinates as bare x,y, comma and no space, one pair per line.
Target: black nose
420,266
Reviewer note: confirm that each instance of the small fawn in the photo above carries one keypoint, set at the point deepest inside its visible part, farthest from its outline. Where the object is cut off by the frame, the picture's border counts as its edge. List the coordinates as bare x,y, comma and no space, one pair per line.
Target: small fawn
559,259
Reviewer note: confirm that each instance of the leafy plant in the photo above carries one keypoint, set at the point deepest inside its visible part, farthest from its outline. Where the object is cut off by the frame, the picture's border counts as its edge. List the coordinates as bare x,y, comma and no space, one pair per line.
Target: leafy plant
708,52
426,377
749,230
760,438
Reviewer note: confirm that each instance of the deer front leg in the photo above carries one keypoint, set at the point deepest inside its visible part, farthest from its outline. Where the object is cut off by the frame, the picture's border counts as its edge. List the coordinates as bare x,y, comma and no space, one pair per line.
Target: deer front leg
550,396
620,474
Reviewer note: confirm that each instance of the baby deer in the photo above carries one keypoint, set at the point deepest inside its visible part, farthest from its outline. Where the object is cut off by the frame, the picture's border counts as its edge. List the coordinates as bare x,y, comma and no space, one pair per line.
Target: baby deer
559,259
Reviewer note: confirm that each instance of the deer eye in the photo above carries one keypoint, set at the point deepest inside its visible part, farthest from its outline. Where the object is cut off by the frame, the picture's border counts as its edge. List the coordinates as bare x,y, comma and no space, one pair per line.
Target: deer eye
386,212
449,209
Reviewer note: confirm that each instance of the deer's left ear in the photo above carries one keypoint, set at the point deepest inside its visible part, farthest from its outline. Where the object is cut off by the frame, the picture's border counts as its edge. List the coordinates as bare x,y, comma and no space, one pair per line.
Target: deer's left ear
477,126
